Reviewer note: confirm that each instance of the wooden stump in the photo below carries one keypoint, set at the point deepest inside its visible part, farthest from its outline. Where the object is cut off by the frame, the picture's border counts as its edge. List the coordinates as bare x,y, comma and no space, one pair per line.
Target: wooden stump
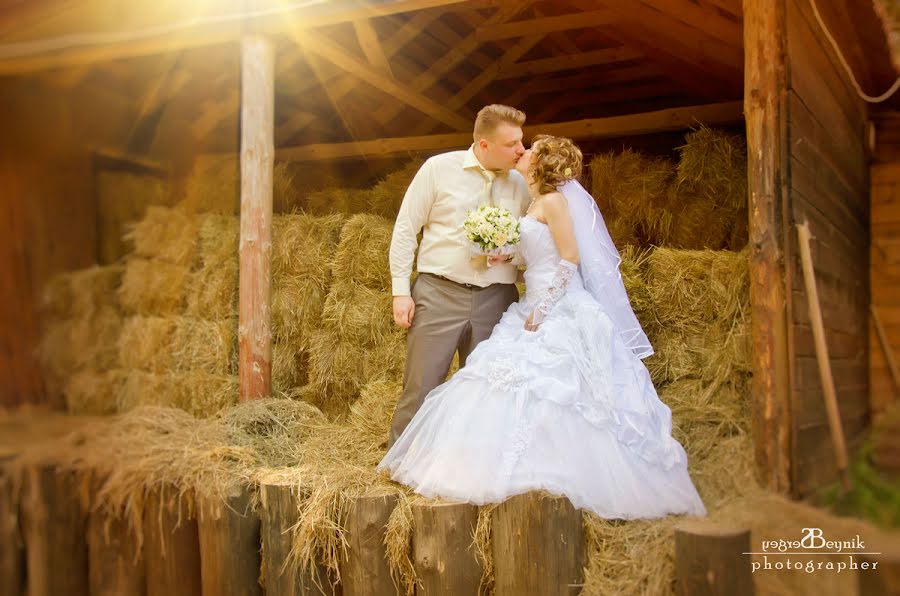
442,548
279,513
884,579
229,547
171,547
12,552
709,560
538,545
365,571
115,564
53,527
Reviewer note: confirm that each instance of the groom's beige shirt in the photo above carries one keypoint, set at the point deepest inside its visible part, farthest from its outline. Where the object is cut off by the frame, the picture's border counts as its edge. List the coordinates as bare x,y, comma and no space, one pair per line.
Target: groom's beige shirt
437,201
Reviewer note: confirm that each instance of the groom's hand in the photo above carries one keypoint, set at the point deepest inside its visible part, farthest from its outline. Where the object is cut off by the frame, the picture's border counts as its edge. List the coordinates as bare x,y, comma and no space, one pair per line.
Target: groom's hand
404,310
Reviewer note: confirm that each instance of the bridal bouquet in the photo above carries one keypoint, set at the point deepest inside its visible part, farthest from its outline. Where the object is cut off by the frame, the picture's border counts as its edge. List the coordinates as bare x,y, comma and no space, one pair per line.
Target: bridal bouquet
492,231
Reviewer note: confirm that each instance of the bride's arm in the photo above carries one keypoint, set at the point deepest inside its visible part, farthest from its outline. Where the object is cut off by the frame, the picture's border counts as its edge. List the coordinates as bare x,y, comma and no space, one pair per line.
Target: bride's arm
556,212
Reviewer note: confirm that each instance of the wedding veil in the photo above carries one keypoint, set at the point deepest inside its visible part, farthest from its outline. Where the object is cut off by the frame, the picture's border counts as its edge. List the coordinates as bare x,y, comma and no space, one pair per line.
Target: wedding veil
599,267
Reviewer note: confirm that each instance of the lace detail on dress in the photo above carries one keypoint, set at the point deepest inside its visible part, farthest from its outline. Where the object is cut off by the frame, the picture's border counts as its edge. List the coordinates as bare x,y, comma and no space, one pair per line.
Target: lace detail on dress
503,375
556,290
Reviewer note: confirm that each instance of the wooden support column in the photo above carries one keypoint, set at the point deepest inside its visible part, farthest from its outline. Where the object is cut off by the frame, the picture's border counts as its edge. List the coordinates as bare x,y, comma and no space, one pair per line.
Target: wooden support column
12,554
765,107
257,163
365,571
538,544
229,547
53,526
115,564
279,513
171,546
710,560
443,556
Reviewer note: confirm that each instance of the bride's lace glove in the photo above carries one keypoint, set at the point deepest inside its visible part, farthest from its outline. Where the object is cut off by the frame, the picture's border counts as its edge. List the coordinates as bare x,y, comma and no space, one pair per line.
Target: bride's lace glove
553,294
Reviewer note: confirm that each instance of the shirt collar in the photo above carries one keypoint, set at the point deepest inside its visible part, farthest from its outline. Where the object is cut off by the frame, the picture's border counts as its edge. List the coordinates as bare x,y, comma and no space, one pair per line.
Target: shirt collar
470,161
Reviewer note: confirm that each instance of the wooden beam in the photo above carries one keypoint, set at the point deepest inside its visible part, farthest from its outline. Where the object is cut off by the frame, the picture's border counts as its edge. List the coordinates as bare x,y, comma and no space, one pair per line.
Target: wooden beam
765,30
296,123
709,20
319,44
257,164
596,78
214,113
448,61
489,75
576,61
18,59
545,25
633,124
371,47
618,93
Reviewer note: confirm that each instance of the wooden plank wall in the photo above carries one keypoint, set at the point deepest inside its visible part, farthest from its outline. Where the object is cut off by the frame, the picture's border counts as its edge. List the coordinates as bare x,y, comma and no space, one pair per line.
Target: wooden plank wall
48,220
828,188
885,281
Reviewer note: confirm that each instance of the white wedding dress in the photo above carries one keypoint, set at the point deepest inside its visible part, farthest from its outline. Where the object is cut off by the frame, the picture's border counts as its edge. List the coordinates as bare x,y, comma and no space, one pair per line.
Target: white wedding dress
567,408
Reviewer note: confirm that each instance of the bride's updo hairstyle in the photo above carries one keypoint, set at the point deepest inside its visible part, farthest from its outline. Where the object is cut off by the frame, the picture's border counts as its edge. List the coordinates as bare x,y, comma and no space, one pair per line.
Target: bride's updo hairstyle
556,160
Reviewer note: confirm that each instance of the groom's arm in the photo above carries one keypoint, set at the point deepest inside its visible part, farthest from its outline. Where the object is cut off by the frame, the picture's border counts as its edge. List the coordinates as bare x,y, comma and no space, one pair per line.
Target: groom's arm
413,214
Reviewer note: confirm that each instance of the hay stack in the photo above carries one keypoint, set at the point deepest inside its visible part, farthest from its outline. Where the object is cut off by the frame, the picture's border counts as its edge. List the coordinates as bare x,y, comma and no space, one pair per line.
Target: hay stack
199,393
213,287
166,234
153,287
388,193
214,186
122,198
358,342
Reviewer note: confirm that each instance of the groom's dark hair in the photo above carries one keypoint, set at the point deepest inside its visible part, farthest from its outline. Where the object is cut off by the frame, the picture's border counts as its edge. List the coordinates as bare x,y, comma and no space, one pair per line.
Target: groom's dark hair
490,117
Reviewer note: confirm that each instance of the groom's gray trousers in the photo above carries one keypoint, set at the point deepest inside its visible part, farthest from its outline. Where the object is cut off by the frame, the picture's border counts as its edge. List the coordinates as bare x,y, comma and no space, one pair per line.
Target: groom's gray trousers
448,317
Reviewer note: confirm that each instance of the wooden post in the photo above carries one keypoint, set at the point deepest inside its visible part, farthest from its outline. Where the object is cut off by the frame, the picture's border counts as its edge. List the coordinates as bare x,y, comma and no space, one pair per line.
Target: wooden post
12,555
257,163
53,527
365,571
229,548
171,546
538,544
115,564
710,560
443,556
818,328
279,513
765,88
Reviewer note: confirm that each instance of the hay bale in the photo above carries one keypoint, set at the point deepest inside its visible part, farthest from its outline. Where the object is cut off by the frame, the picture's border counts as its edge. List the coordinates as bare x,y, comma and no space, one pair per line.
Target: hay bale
92,392
122,198
386,196
362,253
289,368
199,393
77,294
200,345
218,239
700,223
634,278
359,314
692,288
213,186
337,200
712,164
152,287
145,343
631,190
212,291
711,352
167,235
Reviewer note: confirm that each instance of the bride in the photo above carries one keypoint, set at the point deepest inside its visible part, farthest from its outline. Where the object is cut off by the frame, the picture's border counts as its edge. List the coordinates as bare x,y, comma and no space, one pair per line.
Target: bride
557,398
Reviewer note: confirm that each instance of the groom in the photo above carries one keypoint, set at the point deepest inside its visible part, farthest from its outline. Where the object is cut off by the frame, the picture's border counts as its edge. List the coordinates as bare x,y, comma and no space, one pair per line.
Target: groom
456,300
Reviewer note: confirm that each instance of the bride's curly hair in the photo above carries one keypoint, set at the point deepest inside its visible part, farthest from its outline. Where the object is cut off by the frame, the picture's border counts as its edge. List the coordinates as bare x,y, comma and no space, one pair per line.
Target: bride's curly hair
558,160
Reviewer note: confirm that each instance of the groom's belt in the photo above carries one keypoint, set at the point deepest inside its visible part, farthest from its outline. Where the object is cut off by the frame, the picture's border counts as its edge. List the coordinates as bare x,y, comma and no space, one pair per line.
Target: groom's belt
447,279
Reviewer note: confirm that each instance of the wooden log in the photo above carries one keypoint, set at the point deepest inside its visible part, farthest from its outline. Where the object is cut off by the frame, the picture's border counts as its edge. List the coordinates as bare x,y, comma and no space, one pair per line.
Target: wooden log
279,513
229,547
881,577
710,560
765,81
365,570
538,545
12,552
171,546
115,563
818,327
257,165
53,527
443,557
